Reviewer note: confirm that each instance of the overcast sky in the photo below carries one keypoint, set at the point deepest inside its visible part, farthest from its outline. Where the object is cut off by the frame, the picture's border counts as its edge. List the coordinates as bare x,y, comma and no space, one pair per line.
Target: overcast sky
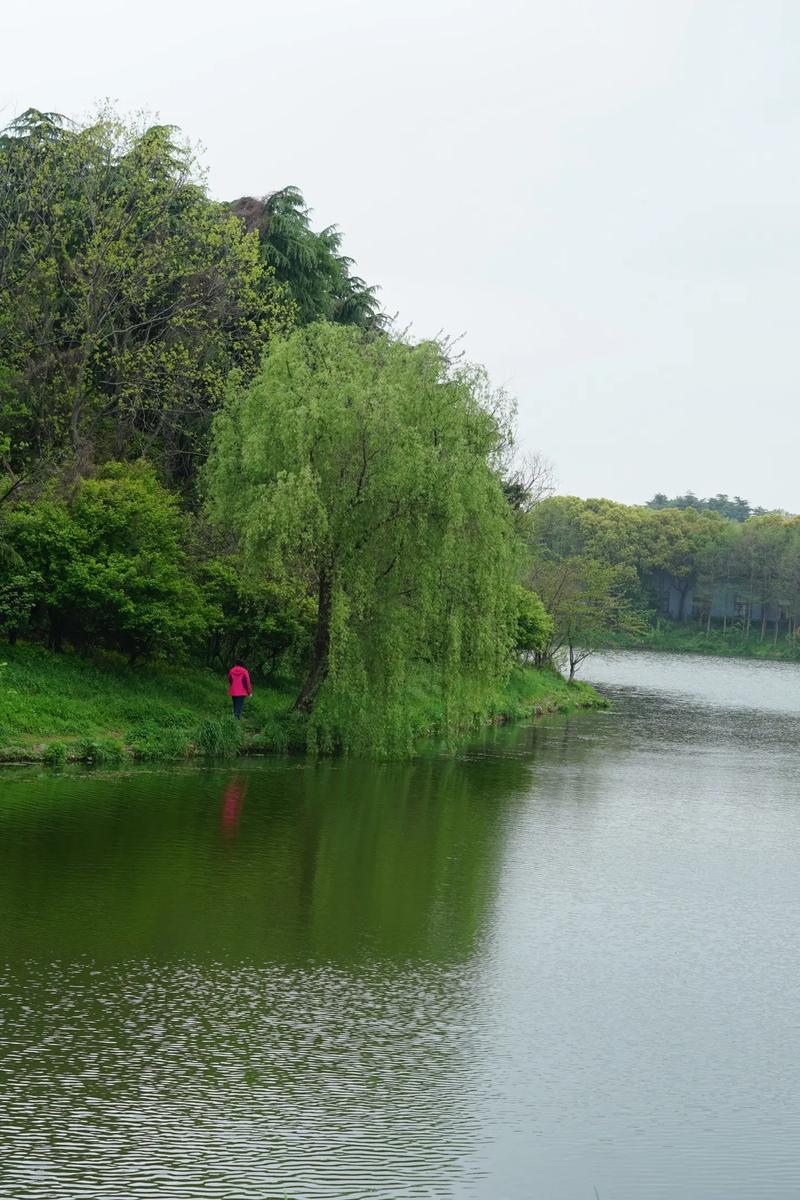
601,195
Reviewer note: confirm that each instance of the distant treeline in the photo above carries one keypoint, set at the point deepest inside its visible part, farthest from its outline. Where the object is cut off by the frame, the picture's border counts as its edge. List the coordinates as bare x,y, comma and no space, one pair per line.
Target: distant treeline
734,508
684,562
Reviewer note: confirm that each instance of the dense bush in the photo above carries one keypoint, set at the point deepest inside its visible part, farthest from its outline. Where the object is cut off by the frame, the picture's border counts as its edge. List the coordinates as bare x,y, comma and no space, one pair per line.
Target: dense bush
264,622
55,755
534,625
104,566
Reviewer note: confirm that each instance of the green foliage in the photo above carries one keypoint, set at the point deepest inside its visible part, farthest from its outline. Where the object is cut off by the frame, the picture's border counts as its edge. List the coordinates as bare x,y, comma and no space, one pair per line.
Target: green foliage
101,709
364,470
534,624
310,264
750,568
264,622
105,566
735,509
151,741
695,637
20,590
533,692
126,294
70,696
101,751
55,755
283,731
586,599
219,737
367,522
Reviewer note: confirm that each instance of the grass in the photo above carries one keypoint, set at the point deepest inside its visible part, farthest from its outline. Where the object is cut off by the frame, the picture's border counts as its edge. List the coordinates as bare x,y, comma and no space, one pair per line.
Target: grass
62,707
689,637
533,693
65,708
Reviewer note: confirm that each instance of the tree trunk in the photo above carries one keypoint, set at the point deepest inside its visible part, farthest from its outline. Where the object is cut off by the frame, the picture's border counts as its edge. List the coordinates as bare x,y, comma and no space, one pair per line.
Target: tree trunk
572,664
763,620
318,667
77,409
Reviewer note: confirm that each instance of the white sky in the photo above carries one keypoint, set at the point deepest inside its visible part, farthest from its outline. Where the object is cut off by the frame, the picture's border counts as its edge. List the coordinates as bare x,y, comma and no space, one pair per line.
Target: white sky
602,195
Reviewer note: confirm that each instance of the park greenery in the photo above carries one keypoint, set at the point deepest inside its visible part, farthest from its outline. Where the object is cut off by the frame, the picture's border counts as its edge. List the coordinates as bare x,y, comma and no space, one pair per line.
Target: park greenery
368,472
213,443
61,708
734,585
736,508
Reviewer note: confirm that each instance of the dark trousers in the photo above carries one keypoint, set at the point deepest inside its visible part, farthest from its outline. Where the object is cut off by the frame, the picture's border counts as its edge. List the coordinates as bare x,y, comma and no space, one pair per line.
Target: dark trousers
238,703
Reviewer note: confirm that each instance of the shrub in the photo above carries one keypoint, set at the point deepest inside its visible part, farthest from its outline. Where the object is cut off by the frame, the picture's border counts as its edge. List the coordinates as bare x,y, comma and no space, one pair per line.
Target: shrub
283,732
101,751
55,755
109,563
534,624
272,736
219,737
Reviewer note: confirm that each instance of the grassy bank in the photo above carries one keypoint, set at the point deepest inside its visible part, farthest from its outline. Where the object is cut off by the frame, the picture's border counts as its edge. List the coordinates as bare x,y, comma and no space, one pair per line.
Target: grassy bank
688,637
64,708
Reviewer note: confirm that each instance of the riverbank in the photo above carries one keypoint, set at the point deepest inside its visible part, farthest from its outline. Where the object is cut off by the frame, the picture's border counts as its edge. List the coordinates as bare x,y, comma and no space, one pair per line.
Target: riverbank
690,638
57,708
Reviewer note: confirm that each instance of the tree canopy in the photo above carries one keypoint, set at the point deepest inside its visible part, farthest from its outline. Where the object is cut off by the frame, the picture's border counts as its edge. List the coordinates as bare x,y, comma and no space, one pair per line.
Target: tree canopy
126,295
754,564
368,469
735,509
309,262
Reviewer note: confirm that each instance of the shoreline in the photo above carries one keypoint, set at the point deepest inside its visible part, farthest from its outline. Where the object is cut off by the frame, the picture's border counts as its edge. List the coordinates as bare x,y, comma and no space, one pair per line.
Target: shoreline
66,709
714,645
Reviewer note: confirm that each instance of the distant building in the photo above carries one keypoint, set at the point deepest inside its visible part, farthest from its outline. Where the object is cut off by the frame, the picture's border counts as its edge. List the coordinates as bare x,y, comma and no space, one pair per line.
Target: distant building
727,602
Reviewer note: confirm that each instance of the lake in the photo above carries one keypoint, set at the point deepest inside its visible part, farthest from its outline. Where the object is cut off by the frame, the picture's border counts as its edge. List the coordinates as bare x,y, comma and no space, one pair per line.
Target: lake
562,964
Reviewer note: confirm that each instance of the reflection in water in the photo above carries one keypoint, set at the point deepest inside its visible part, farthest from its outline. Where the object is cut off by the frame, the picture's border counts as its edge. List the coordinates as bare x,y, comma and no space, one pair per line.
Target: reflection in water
232,801
334,862
288,1020
566,959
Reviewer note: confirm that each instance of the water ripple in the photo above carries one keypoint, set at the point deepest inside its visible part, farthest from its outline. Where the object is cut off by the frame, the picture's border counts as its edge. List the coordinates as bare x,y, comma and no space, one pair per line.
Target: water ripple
147,1080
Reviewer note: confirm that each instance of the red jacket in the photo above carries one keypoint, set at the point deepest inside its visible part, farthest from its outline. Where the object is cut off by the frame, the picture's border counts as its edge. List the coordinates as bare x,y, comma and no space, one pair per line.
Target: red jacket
239,682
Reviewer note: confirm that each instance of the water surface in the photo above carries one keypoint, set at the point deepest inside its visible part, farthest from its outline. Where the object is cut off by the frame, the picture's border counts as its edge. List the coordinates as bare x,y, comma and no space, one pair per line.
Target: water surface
565,960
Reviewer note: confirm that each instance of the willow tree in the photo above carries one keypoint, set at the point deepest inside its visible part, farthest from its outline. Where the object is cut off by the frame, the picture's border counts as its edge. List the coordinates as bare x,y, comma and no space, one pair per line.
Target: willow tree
367,470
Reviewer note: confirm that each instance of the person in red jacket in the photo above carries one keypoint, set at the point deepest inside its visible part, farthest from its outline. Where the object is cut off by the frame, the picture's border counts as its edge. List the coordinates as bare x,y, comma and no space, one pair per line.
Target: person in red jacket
239,686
